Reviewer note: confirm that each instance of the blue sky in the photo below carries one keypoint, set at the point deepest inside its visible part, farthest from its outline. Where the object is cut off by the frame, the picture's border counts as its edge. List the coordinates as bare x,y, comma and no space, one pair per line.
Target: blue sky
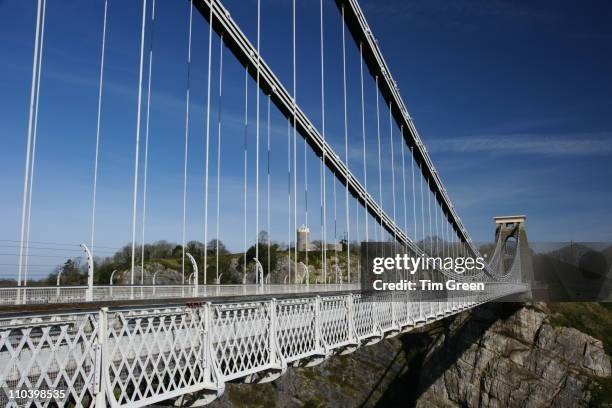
512,99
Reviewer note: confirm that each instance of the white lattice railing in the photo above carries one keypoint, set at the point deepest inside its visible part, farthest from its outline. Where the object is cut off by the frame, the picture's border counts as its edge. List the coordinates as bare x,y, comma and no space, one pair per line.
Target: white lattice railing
142,356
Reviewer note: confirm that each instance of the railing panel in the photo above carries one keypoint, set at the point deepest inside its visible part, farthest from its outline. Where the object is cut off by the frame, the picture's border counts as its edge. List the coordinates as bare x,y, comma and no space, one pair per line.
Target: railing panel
335,324
155,354
365,317
49,353
400,307
240,338
383,307
296,328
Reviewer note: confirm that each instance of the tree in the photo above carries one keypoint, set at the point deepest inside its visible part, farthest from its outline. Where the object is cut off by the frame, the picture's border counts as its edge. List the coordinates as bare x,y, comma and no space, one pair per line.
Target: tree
160,249
263,257
263,237
212,247
71,274
195,248
123,256
103,270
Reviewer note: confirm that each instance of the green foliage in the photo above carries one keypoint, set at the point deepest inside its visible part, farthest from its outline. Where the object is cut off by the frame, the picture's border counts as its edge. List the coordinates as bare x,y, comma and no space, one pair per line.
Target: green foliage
72,273
314,403
103,271
263,257
252,395
601,392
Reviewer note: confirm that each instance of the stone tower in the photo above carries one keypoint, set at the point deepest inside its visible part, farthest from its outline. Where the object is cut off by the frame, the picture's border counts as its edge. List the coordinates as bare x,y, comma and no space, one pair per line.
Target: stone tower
303,237
514,227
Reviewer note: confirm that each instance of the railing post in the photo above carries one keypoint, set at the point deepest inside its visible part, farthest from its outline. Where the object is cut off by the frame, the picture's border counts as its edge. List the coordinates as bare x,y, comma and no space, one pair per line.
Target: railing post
350,305
272,334
100,367
207,353
375,319
318,323
393,312
421,316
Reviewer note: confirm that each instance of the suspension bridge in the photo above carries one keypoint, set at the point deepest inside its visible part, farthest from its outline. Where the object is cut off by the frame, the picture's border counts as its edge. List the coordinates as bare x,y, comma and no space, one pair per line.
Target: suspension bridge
134,340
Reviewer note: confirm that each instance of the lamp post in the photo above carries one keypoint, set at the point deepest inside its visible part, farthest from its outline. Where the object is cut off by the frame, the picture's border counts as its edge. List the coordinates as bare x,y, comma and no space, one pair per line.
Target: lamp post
306,273
154,284
195,273
111,282
59,275
259,272
90,271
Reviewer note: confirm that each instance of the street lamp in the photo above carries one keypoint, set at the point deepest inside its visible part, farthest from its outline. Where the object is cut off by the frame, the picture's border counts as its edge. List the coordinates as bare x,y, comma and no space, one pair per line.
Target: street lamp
194,273
259,272
306,273
90,271
111,281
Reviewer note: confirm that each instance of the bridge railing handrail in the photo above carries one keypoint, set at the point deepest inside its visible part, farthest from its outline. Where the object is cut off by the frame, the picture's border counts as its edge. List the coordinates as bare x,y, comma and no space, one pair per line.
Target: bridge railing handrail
18,295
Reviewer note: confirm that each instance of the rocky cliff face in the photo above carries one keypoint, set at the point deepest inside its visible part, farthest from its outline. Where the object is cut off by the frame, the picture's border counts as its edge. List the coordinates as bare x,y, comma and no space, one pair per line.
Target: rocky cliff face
521,359
500,355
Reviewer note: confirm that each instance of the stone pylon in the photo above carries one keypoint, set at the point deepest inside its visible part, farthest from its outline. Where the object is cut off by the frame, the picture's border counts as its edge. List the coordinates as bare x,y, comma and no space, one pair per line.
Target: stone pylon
507,227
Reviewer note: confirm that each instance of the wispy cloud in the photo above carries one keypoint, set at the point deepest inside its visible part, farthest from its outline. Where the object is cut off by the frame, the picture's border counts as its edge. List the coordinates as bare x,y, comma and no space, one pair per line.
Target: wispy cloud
573,144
